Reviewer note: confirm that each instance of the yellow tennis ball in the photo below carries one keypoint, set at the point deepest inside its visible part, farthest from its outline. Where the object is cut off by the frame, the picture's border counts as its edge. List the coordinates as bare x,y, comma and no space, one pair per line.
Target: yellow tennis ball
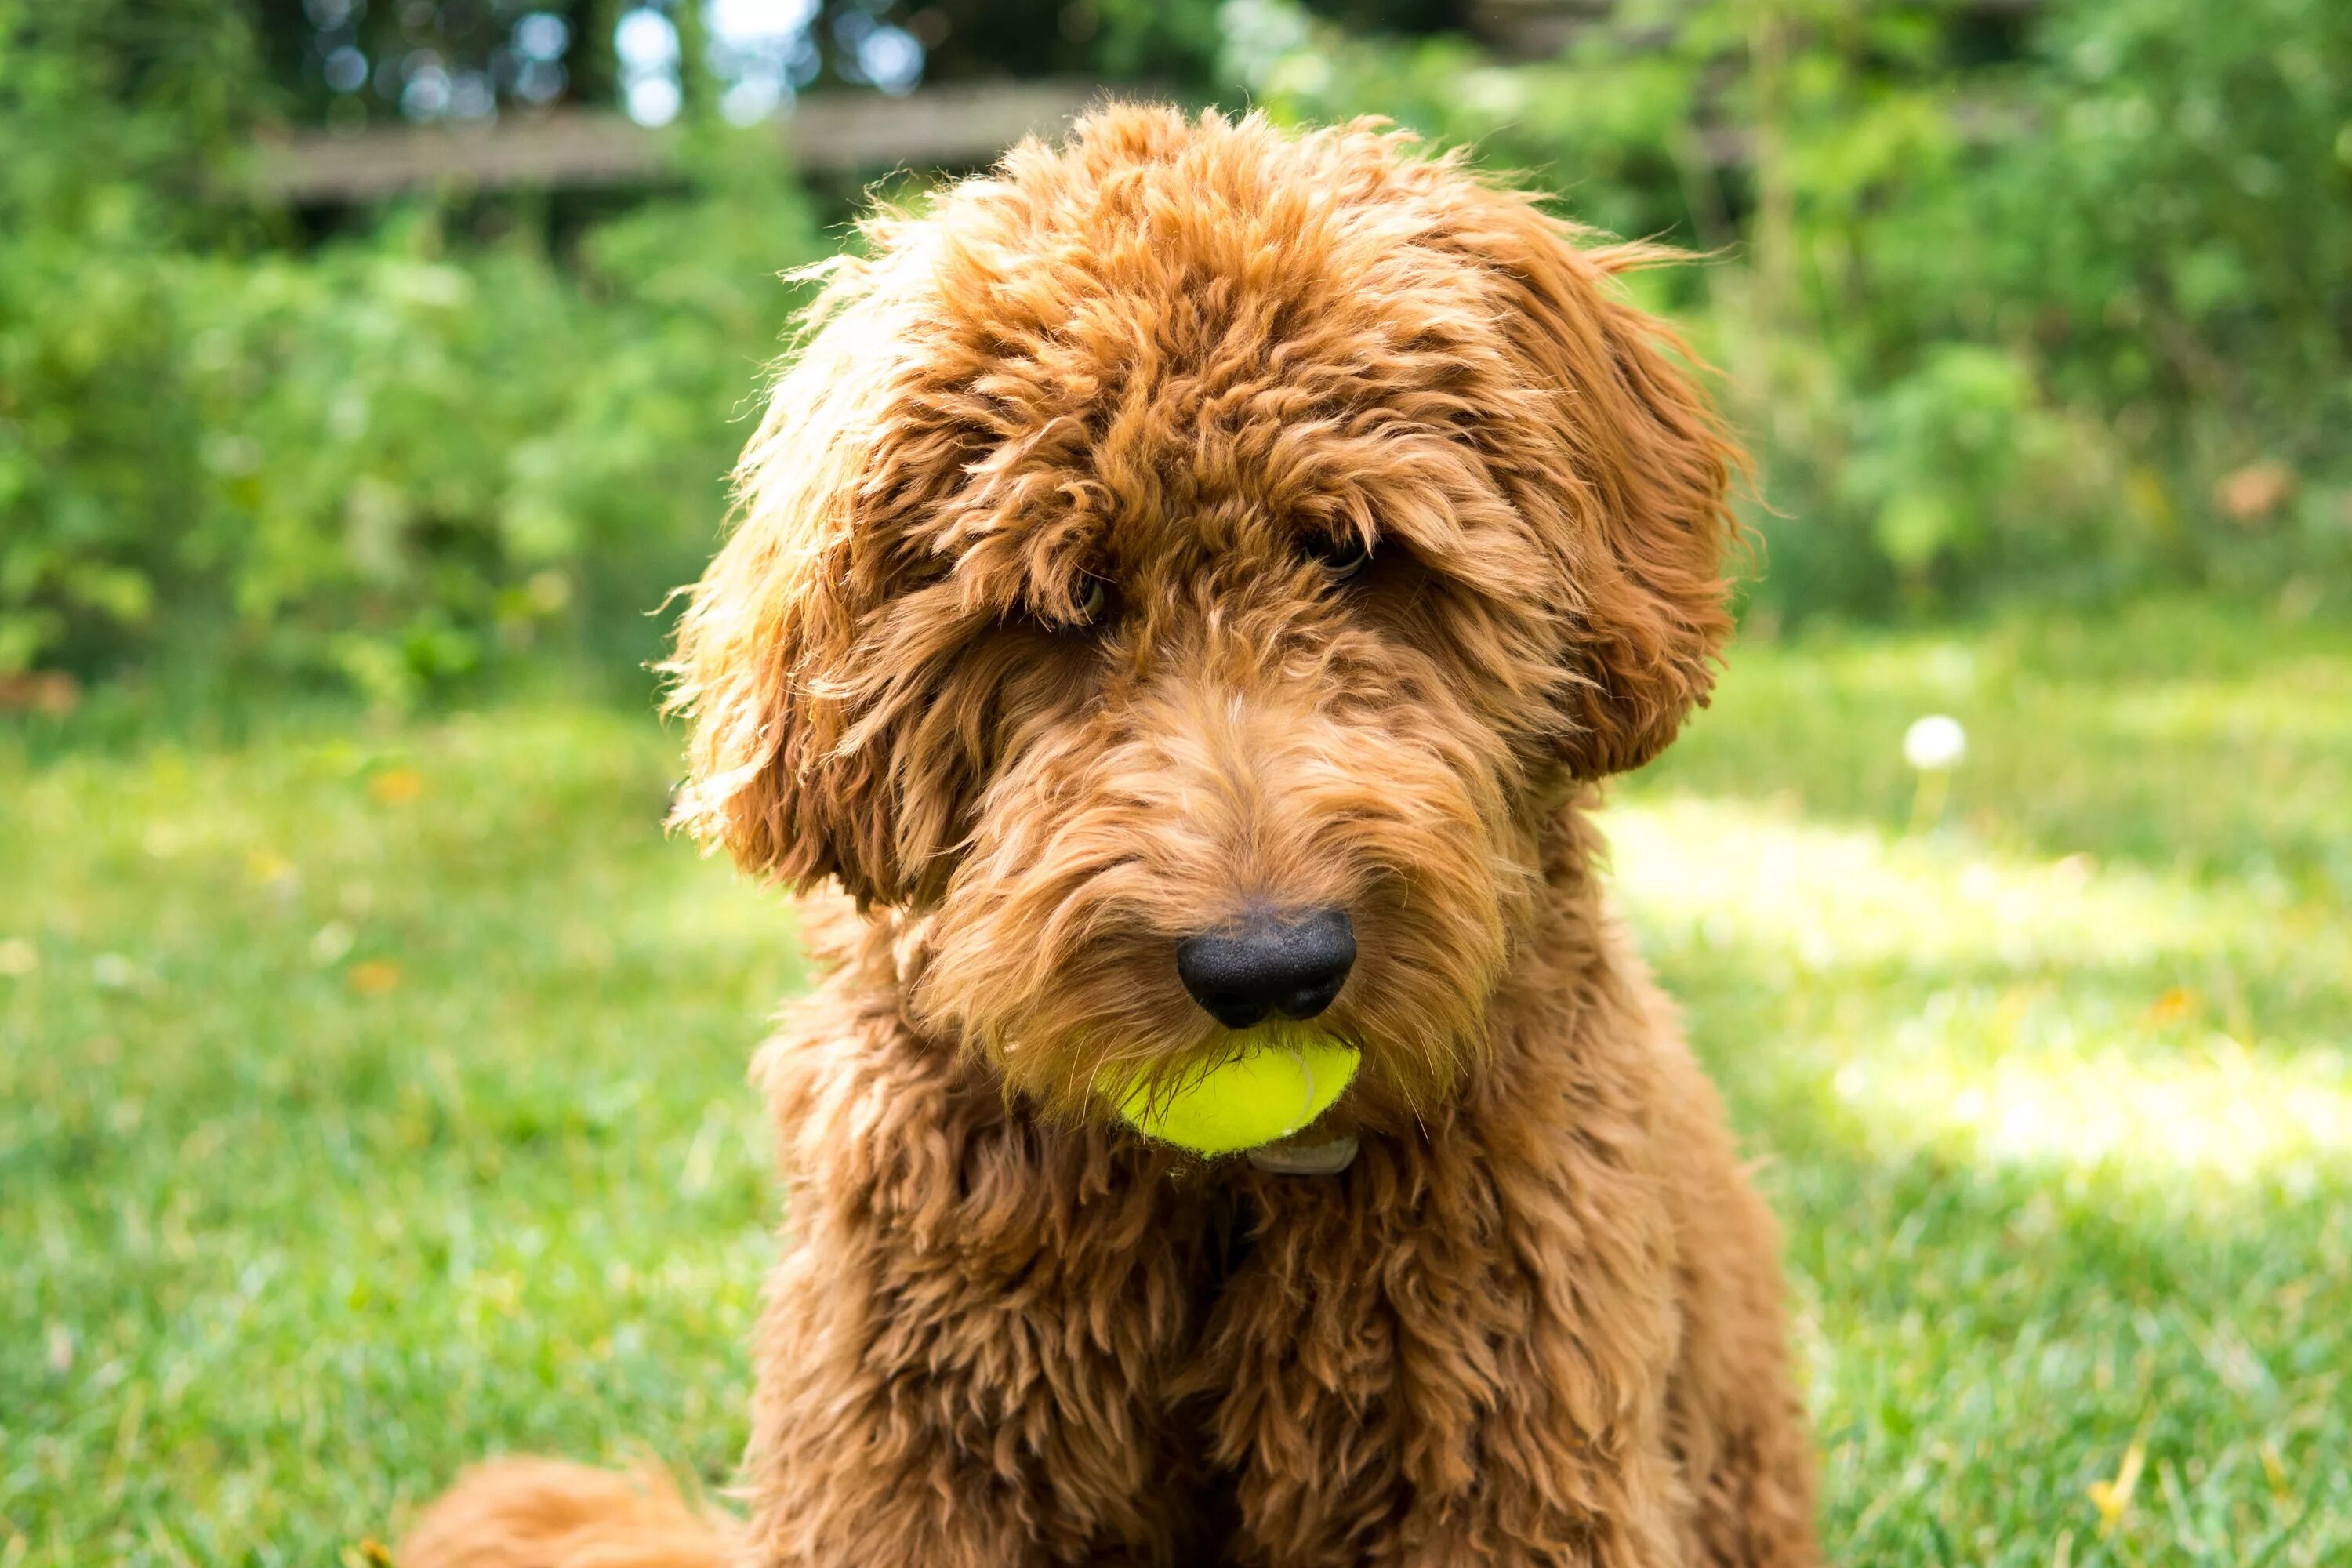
1264,1091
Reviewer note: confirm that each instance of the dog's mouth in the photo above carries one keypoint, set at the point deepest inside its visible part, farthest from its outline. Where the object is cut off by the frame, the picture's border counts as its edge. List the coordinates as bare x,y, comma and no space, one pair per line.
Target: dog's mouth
1256,1089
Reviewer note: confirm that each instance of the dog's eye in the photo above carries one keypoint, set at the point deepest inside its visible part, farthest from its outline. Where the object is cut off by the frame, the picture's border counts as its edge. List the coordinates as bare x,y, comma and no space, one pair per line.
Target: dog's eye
1093,600
1342,557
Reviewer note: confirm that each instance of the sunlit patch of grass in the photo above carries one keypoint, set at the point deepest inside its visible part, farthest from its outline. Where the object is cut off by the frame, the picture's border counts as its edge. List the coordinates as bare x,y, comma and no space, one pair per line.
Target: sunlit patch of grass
2054,1099
1818,896
371,1100
2045,1011
2222,1113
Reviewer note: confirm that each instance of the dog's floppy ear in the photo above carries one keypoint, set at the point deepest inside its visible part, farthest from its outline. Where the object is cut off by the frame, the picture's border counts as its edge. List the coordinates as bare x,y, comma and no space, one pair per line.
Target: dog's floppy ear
791,768
1631,485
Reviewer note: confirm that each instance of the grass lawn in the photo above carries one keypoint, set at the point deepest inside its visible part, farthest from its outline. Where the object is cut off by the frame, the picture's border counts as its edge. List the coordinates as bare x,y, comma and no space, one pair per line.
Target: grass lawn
370,1098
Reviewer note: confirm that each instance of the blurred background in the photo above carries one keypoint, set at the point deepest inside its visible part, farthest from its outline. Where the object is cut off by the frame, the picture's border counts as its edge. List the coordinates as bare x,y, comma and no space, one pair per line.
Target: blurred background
370,1066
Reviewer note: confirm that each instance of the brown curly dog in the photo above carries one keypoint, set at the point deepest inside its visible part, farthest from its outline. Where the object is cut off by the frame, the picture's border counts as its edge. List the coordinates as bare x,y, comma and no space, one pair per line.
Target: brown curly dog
1201,532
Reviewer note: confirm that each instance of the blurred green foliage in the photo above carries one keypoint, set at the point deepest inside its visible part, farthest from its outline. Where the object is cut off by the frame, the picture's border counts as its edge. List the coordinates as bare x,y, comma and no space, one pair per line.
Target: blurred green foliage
2051,299
388,460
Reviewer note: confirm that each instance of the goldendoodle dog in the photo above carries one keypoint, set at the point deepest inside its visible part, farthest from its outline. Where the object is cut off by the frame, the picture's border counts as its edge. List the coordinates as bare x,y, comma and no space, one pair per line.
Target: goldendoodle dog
1192,583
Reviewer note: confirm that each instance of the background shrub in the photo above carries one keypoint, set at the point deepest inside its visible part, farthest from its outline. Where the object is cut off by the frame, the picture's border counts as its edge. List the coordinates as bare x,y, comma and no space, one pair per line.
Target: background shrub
390,459
2014,302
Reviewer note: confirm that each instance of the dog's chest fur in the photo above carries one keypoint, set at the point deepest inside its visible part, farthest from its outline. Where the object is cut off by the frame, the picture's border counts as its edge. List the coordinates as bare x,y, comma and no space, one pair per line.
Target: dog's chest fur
1546,1313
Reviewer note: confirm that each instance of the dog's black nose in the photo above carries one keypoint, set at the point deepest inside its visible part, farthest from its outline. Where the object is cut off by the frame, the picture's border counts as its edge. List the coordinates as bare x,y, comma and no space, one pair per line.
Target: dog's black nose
1293,965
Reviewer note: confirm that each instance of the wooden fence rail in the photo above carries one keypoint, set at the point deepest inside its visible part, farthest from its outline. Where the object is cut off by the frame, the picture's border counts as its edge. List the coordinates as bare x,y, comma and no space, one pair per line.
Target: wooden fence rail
837,133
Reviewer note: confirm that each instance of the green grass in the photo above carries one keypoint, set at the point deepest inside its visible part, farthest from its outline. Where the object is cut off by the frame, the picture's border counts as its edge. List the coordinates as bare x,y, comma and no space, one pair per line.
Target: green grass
370,1098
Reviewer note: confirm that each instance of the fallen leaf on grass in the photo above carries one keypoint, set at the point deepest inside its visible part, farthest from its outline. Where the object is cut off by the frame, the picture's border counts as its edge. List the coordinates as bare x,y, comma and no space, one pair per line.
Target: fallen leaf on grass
374,977
2252,493
49,692
2112,1497
397,786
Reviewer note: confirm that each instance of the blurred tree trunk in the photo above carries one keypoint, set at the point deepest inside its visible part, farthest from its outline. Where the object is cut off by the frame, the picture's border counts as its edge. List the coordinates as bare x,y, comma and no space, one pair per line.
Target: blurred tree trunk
595,70
698,89
1772,231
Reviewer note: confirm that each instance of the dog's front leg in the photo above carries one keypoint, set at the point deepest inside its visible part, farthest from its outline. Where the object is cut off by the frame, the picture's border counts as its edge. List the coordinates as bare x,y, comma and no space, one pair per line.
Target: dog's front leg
1451,1357
953,1343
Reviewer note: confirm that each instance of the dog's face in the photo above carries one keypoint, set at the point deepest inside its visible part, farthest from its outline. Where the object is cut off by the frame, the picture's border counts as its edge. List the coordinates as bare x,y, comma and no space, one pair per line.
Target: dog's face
1187,572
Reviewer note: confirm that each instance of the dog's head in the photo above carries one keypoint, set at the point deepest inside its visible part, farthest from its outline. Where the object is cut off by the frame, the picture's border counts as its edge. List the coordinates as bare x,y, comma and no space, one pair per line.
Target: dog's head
1187,571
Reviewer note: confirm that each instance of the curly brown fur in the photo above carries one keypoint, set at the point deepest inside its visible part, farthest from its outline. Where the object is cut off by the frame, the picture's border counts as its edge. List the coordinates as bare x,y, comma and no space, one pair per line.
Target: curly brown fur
539,1513
1174,365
